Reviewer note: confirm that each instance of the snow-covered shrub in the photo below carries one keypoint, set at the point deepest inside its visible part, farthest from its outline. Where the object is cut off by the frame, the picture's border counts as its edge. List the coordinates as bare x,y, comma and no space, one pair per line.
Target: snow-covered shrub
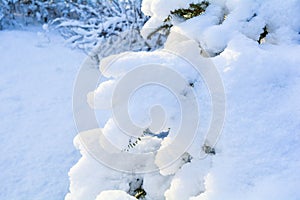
260,162
106,27
18,13
175,16
99,27
6,15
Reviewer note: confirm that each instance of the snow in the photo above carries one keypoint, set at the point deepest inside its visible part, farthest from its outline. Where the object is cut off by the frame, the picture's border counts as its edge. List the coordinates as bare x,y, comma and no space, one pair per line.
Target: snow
36,122
114,195
256,154
259,151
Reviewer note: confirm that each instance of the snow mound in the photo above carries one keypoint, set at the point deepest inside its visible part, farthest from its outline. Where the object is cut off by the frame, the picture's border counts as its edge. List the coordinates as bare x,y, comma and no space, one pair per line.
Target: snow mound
114,195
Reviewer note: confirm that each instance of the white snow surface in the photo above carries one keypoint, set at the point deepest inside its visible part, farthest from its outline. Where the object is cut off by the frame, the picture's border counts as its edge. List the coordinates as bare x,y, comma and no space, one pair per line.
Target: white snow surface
36,121
114,195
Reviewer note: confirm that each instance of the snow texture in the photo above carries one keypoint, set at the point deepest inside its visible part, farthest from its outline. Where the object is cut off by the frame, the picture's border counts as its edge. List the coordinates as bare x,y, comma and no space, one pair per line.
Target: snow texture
114,195
36,125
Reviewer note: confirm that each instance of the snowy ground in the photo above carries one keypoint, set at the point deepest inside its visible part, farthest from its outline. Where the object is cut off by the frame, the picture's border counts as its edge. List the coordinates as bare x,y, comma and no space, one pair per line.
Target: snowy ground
36,123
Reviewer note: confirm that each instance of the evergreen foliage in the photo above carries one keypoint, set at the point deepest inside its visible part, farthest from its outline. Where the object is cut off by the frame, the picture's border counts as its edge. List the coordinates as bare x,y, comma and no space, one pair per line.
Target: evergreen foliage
192,11
263,35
